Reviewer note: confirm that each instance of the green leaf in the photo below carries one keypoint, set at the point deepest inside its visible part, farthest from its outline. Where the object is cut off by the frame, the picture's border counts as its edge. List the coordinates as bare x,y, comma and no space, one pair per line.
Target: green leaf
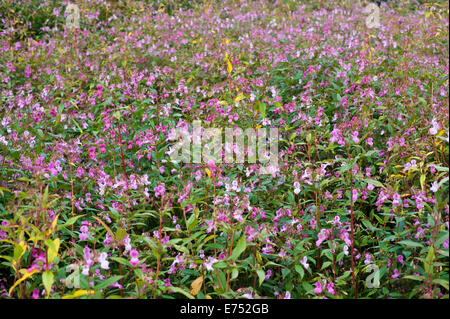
181,291
45,197
69,222
239,249
47,280
262,109
120,233
326,264
122,261
261,275
418,278
107,282
429,260
410,243
300,270
19,250
442,282
441,239
374,182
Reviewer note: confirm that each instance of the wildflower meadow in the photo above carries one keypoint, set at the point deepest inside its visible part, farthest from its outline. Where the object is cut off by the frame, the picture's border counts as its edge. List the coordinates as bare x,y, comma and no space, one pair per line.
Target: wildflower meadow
250,149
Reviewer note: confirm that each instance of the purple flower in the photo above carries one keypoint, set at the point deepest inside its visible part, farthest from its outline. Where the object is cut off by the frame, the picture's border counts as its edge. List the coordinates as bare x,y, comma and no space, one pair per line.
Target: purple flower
396,274
160,190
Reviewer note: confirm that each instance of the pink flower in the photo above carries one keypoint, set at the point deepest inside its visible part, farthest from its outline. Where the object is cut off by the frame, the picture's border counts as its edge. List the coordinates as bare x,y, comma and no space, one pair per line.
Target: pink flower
35,294
319,288
396,200
134,257
160,190
355,137
330,288
396,274
323,235
354,195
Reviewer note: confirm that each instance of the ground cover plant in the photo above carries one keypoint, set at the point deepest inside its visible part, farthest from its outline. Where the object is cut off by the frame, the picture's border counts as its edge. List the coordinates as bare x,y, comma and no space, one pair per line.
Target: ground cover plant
91,206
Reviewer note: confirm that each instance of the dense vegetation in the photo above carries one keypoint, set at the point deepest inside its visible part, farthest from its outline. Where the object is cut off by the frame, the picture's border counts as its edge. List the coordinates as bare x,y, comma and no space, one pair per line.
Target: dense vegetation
92,207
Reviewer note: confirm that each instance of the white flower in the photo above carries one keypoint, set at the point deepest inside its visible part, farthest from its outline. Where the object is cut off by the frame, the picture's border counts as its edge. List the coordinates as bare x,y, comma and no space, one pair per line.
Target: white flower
434,187
85,270
209,265
434,127
296,187
345,250
304,262
104,264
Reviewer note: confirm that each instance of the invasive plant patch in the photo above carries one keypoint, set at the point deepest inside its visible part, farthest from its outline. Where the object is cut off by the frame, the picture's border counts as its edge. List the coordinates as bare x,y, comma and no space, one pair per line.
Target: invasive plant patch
348,198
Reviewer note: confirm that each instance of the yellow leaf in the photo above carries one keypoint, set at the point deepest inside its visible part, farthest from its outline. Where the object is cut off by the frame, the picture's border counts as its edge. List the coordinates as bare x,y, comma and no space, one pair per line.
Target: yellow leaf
229,66
78,293
53,253
196,285
208,297
52,227
106,227
239,97
23,245
208,172
25,276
